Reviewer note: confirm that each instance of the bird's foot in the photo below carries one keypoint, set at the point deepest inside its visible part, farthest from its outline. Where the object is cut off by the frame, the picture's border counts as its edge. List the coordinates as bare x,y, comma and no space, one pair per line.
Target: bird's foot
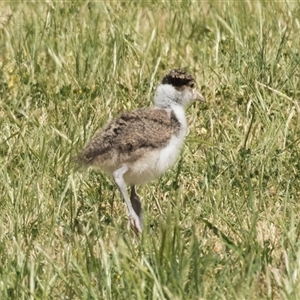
135,223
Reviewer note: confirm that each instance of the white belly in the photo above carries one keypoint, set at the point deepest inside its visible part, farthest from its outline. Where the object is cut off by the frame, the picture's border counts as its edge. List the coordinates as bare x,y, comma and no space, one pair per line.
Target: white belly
154,163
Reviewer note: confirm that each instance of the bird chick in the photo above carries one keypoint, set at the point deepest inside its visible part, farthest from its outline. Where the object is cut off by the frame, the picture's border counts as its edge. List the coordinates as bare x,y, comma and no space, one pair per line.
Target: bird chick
140,145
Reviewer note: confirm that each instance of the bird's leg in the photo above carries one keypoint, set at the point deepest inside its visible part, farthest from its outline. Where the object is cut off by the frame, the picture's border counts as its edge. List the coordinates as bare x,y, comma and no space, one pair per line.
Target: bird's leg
119,180
136,203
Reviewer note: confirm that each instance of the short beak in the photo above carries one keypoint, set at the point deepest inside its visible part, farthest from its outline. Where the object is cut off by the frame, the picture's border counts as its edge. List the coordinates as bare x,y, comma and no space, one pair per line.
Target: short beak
199,96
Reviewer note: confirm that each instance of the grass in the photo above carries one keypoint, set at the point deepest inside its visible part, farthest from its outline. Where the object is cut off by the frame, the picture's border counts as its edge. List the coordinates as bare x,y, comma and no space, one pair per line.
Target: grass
223,223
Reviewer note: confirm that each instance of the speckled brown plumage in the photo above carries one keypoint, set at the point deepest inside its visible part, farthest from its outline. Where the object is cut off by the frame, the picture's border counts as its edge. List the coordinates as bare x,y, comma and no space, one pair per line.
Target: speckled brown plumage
131,135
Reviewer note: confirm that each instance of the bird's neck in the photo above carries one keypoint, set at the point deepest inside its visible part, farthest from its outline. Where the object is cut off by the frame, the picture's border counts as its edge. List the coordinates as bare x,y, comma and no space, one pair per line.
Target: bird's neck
166,97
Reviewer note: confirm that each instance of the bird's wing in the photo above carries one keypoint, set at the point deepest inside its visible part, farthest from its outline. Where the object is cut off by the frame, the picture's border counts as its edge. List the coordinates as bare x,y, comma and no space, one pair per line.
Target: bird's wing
131,133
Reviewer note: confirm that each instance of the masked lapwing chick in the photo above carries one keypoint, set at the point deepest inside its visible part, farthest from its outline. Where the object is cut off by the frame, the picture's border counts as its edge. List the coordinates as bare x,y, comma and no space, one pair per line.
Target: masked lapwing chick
140,145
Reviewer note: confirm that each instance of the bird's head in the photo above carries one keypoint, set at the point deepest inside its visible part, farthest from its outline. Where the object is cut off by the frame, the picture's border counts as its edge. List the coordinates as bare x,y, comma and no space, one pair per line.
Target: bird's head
177,87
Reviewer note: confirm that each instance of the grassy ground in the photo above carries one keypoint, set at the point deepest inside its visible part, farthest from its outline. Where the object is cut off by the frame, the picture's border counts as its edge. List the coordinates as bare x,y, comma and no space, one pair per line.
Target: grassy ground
223,223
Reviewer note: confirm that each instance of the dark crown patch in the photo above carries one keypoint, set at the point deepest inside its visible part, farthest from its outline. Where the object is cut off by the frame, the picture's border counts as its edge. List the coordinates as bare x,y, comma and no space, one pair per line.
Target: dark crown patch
178,78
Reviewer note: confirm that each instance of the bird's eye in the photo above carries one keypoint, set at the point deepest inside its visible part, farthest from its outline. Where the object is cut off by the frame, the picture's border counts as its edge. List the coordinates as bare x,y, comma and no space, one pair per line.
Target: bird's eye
192,85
